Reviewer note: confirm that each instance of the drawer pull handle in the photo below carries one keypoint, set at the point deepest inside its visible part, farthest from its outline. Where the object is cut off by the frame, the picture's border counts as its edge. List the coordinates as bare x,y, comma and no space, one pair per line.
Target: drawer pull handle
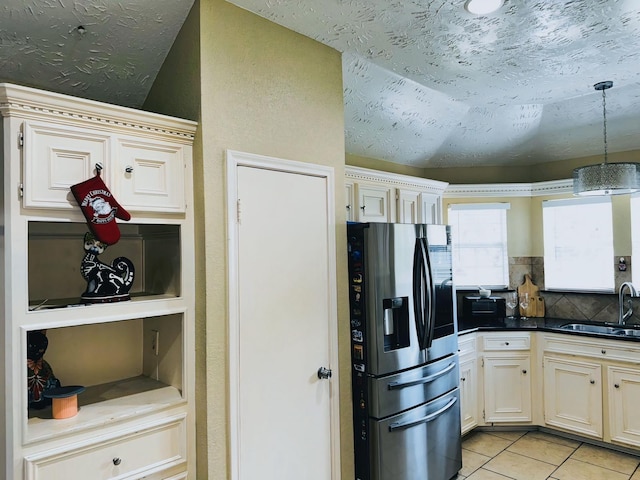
117,461
603,351
506,343
128,169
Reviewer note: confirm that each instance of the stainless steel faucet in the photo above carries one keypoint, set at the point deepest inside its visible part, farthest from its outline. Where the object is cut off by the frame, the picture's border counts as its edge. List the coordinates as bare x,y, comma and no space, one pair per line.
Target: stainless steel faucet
622,314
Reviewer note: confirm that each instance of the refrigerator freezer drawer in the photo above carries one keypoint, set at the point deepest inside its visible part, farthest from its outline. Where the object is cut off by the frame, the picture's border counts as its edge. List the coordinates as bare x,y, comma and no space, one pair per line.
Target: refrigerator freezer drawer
420,444
401,391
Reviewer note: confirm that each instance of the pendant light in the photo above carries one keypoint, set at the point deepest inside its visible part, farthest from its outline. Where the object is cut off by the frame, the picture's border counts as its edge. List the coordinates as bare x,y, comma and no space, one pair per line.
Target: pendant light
606,178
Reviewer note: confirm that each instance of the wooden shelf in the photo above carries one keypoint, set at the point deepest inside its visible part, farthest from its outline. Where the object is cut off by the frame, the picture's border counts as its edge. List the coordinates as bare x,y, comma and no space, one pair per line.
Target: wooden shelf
101,405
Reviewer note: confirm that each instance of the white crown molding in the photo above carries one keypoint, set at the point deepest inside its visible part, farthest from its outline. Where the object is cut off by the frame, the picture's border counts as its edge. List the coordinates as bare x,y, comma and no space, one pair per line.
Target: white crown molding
537,189
423,184
30,103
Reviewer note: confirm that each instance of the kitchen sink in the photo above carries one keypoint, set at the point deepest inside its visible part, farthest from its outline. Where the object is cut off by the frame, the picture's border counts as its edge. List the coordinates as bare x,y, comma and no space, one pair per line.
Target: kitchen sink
585,327
629,332
602,329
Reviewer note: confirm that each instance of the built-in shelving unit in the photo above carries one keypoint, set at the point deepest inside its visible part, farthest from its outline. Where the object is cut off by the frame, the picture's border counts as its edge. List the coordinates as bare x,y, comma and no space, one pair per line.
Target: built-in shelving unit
135,358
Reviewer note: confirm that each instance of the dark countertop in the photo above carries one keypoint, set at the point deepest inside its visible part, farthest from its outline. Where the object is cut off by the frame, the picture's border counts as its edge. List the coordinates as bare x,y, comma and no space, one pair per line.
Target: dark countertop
540,324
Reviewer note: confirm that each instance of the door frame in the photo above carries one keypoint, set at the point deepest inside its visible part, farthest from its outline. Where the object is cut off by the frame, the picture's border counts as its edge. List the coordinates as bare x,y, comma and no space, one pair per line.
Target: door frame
235,159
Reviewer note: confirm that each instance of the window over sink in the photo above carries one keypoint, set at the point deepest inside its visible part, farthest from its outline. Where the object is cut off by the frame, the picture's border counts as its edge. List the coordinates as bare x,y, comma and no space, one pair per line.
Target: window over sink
578,244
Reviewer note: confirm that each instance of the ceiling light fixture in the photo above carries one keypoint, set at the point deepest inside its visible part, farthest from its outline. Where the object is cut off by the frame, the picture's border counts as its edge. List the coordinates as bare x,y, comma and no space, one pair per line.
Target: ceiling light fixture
483,7
606,178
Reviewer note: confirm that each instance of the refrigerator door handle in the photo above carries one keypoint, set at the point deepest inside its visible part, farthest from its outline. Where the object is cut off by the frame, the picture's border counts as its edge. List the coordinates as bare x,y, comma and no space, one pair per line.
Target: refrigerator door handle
431,295
428,418
418,291
430,378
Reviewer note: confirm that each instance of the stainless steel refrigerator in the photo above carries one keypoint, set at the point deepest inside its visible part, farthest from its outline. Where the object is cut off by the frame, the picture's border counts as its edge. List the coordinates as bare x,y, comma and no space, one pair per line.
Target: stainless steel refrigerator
406,400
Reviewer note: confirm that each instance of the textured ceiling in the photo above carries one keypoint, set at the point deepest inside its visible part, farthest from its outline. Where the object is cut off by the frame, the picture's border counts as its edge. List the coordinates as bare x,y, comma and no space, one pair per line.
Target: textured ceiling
425,82
107,50
428,84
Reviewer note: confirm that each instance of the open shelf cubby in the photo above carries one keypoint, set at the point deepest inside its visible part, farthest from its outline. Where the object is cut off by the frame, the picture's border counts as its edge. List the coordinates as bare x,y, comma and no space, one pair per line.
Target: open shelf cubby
56,250
128,368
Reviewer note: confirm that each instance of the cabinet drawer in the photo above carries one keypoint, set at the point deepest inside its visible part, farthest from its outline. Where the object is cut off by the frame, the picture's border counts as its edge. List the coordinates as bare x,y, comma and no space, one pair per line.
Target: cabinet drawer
507,342
139,453
56,158
596,348
466,344
150,176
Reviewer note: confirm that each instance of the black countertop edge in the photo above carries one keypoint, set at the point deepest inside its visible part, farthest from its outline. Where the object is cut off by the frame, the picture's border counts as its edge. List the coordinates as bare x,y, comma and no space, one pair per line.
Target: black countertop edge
543,325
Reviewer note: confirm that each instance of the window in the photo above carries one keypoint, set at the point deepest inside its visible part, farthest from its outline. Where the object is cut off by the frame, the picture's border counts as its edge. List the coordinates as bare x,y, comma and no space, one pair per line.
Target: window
479,241
578,244
635,238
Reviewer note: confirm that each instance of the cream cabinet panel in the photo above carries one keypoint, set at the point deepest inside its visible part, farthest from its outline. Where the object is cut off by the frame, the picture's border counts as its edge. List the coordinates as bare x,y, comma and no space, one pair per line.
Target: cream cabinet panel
624,405
409,206
350,198
573,395
149,176
56,157
430,208
468,393
374,203
129,456
469,401
507,388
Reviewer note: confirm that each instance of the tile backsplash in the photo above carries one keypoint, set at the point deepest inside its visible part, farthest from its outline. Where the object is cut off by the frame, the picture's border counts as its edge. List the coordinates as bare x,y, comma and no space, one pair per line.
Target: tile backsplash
596,307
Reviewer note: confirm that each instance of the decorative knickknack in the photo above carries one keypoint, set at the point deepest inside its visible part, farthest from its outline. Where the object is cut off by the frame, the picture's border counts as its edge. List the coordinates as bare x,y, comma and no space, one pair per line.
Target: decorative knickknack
40,377
105,283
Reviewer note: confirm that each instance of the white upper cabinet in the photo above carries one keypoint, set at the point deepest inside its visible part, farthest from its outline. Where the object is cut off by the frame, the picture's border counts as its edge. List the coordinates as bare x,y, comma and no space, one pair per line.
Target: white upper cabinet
149,176
386,197
56,157
374,203
143,157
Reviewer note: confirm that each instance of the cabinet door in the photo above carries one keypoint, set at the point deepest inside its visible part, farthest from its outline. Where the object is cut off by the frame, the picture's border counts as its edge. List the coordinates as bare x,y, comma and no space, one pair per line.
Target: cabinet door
374,203
408,206
573,395
149,176
56,158
430,208
350,198
624,405
507,388
468,393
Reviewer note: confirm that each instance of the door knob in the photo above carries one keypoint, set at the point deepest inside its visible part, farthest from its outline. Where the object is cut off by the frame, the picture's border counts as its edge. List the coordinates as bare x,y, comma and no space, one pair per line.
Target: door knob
324,373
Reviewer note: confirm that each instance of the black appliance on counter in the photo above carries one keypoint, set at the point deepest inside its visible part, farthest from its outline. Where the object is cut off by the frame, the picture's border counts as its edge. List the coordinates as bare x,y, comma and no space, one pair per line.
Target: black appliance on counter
483,311
405,373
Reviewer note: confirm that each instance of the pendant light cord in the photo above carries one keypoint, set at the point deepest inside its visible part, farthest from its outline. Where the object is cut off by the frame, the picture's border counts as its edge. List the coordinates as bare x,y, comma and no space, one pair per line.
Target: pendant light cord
604,115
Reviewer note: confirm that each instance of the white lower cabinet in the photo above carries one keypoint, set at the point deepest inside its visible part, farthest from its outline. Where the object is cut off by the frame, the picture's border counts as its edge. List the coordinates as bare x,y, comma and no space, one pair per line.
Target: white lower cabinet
468,382
624,405
573,395
578,384
507,388
506,365
592,387
149,452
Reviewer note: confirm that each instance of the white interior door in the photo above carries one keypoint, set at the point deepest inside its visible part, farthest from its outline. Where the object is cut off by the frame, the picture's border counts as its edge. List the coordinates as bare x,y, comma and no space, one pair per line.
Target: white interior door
282,418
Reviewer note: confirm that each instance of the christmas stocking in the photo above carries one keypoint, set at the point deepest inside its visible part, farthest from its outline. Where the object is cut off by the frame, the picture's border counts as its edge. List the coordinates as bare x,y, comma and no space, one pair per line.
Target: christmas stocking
100,209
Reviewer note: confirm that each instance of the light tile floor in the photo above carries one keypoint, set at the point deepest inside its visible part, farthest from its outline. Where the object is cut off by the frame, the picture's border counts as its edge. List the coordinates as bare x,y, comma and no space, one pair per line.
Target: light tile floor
541,456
